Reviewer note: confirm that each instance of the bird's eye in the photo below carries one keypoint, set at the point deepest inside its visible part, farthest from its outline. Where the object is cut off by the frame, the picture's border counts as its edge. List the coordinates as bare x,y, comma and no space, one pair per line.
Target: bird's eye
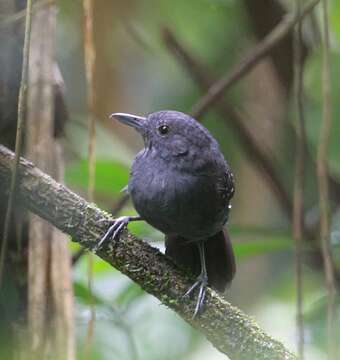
163,129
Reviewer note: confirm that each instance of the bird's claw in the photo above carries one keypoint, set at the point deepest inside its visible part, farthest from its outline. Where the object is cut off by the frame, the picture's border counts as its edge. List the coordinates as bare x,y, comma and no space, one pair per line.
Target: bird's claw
116,227
202,283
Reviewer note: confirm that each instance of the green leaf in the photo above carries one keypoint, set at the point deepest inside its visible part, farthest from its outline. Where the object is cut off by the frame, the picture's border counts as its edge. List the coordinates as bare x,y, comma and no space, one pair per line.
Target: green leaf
334,18
248,248
99,267
144,230
254,240
74,246
130,293
251,231
83,295
111,176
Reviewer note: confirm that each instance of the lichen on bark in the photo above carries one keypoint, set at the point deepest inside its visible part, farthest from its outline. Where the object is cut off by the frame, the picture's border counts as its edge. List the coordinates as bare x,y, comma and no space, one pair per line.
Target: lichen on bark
225,326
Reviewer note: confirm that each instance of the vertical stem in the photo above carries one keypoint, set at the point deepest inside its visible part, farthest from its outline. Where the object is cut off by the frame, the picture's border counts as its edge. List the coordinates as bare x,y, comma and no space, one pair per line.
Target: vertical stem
299,179
90,56
89,68
322,172
19,133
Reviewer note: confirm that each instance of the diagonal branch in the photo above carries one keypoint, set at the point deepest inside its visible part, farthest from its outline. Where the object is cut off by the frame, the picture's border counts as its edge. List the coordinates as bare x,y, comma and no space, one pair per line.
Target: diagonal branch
258,155
252,148
261,50
226,327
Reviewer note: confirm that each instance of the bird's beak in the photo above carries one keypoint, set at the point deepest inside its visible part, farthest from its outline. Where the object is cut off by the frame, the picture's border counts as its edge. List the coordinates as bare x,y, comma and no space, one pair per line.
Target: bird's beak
137,122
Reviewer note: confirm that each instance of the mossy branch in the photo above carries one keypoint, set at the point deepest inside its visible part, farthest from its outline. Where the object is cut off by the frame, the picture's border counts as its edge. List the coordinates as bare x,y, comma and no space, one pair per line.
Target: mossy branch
226,327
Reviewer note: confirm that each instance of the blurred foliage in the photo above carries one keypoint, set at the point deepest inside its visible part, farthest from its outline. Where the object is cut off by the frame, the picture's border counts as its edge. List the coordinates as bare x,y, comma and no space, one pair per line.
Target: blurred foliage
111,176
129,323
313,87
136,73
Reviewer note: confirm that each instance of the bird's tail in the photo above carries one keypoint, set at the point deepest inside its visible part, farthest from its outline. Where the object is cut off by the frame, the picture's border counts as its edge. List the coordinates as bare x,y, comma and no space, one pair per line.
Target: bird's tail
219,257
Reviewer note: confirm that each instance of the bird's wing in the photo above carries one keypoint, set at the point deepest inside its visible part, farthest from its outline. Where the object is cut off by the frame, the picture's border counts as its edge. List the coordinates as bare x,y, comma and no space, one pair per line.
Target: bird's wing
125,189
226,185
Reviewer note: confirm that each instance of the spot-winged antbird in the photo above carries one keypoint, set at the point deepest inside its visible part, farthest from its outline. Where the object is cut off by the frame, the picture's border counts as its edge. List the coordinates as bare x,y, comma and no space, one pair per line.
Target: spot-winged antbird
181,184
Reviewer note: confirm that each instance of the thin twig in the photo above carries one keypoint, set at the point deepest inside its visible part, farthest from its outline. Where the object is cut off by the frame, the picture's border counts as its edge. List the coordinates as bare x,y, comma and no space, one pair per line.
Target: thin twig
261,50
19,134
299,179
322,174
90,55
253,149
9,20
89,66
256,153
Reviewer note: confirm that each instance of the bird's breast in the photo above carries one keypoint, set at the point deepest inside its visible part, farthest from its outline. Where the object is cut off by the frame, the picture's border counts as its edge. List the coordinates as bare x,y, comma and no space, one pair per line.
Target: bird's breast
176,202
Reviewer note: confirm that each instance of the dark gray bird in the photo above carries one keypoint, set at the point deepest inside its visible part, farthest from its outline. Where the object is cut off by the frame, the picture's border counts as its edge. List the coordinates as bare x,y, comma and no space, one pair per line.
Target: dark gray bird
181,184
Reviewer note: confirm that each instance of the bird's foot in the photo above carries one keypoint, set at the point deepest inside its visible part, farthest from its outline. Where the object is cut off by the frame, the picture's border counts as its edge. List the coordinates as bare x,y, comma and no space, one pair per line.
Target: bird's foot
113,232
202,283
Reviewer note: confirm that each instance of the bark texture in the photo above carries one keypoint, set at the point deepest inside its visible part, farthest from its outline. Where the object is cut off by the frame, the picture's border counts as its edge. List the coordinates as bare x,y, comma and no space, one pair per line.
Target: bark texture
225,326
50,295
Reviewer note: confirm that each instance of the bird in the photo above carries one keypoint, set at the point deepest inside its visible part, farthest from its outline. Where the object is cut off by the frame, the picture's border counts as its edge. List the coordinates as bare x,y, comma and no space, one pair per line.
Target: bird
181,184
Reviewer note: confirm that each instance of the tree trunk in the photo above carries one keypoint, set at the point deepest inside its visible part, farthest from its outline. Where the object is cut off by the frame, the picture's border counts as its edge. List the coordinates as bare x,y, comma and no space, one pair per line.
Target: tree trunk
50,296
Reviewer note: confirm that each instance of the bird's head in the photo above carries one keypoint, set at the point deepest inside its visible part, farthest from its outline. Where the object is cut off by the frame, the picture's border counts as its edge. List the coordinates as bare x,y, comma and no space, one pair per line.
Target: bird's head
171,133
